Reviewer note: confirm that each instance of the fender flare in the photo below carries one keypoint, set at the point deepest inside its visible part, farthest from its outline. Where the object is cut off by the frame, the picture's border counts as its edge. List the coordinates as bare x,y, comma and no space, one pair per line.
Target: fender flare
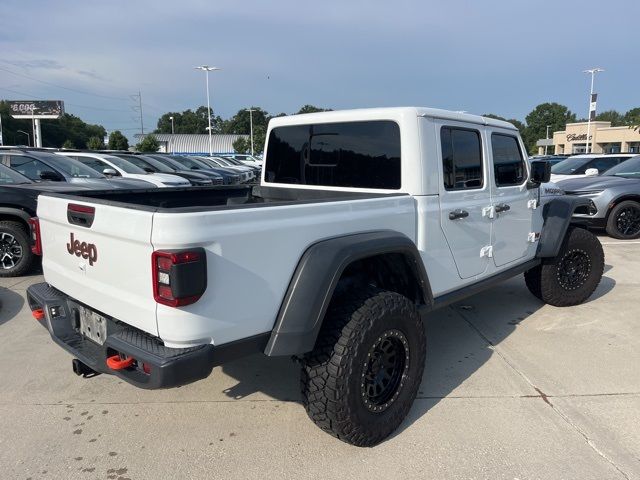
316,276
557,215
23,215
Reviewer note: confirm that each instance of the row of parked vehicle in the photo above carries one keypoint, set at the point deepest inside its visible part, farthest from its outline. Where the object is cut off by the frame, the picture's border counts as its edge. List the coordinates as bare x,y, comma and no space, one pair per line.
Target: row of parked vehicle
611,182
26,172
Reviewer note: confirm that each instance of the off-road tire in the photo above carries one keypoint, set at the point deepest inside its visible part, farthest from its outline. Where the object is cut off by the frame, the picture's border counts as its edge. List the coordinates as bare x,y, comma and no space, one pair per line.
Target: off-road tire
573,275
332,378
19,233
613,222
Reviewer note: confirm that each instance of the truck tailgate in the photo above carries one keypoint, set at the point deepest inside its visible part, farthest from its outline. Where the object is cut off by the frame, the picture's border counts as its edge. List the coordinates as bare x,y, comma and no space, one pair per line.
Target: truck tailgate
106,265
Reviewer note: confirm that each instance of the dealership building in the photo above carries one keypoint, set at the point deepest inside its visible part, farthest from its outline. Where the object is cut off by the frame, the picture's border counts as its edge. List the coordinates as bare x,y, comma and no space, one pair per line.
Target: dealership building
194,144
603,138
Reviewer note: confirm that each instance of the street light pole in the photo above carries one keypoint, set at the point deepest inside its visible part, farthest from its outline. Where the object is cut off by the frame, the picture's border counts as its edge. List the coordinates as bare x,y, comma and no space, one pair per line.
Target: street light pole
592,105
28,137
172,133
207,69
251,110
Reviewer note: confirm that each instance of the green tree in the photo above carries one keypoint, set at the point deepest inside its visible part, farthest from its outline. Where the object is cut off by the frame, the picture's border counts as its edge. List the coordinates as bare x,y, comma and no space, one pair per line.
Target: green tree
616,118
632,118
242,145
117,141
554,115
68,144
312,109
148,144
95,143
240,123
189,121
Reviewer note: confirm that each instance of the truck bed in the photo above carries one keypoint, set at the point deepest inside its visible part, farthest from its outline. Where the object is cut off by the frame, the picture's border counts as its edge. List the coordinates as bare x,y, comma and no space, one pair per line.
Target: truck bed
213,198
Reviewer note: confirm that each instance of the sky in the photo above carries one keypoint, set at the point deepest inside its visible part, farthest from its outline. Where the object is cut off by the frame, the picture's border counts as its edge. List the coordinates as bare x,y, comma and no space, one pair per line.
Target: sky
484,56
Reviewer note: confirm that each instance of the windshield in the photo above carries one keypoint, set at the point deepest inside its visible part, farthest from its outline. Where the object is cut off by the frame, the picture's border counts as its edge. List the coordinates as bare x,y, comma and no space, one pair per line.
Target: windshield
71,166
11,177
570,166
170,162
193,163
629,168
145,162
157,164
125,165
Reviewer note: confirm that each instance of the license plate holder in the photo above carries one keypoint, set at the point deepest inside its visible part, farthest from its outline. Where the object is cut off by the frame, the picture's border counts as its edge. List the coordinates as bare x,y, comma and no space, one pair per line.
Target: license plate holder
92,325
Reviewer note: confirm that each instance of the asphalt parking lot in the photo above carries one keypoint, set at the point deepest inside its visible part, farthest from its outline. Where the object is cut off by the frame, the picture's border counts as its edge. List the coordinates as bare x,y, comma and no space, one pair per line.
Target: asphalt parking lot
512,389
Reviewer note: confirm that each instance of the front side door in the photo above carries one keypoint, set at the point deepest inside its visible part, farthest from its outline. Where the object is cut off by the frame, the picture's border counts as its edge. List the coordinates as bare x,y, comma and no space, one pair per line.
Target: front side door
511,210
464,196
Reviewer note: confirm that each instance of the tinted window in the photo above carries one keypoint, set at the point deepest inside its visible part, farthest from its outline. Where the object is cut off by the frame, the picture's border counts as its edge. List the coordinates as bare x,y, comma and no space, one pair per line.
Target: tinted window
29,167
508,163
70,166
628,168
354,154
11,177
570,166
94,163
605,163
461,158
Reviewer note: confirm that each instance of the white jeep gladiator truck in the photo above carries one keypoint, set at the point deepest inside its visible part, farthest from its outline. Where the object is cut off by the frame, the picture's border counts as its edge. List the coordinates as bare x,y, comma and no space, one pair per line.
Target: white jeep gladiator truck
366,221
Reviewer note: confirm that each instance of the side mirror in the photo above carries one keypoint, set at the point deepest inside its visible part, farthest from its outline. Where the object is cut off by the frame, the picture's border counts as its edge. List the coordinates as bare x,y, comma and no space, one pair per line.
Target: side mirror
110,172
540,173
50,175
592,172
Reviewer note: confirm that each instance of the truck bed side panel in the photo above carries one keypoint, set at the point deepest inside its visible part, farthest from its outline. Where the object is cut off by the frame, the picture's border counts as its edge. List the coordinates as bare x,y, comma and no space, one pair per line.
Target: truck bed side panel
251,256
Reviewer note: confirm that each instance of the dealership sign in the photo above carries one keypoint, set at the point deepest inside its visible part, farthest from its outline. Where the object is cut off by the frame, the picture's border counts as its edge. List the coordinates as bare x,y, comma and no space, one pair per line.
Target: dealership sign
36,108
574,137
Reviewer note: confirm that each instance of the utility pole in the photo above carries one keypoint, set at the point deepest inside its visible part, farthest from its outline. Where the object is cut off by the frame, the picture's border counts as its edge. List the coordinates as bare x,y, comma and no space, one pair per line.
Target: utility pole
592,105
138,108
251,110
1,138
206,69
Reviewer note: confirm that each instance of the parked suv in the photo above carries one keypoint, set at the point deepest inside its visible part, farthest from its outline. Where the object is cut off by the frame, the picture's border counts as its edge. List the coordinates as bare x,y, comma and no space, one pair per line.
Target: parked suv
368,221
587,165
45,166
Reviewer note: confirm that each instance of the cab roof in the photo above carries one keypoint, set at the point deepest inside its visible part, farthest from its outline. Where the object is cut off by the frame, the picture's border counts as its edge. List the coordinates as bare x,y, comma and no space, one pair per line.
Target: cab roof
387,112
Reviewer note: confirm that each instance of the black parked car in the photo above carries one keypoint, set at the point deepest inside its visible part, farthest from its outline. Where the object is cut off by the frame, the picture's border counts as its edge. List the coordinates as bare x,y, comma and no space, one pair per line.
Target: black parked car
230,177
18,200
150,163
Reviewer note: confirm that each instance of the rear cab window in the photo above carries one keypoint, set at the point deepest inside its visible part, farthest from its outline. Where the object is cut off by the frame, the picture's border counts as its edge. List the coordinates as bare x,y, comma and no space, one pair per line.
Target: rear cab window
461,158
363,154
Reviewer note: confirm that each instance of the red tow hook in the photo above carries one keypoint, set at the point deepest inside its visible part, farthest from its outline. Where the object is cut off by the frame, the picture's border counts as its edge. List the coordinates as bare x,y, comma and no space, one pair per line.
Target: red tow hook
38,313
116,363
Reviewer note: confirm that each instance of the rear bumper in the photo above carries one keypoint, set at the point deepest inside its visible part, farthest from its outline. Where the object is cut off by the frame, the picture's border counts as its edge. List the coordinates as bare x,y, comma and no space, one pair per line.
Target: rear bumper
155,365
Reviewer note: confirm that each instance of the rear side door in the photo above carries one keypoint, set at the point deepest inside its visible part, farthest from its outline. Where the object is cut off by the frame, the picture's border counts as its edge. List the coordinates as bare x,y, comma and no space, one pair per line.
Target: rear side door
511,210
464,195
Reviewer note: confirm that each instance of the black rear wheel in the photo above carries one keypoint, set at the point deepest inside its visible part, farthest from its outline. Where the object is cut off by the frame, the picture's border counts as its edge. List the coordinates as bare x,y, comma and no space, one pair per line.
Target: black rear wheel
361,379
15,250
624,220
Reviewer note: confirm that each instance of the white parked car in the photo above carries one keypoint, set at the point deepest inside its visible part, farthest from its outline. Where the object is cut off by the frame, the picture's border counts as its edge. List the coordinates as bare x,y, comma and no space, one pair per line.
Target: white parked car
368,221
587,165
250,160
113,166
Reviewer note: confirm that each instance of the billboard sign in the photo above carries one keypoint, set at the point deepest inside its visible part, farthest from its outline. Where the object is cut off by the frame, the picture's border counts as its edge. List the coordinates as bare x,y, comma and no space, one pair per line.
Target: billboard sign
36,108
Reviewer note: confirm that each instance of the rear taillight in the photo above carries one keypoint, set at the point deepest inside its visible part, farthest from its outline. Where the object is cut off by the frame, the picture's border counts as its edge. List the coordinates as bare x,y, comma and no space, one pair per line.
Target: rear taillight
36,241
179,277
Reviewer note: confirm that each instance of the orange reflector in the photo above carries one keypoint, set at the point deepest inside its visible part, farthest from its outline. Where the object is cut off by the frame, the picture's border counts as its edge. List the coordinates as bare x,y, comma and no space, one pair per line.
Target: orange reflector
116,363
38,314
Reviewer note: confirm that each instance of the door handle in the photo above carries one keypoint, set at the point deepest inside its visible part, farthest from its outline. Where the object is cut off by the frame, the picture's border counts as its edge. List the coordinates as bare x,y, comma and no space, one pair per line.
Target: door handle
458,214
502,207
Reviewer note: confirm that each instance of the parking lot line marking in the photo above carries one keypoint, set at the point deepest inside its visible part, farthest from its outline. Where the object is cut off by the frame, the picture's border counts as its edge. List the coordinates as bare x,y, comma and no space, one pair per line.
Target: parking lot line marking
628,242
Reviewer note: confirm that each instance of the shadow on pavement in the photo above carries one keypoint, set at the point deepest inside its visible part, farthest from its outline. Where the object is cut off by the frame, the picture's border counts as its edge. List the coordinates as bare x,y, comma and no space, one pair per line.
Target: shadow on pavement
460,340
10,304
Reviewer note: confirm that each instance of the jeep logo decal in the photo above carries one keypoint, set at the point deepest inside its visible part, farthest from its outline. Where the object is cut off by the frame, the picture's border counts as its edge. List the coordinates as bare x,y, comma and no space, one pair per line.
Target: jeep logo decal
85,250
